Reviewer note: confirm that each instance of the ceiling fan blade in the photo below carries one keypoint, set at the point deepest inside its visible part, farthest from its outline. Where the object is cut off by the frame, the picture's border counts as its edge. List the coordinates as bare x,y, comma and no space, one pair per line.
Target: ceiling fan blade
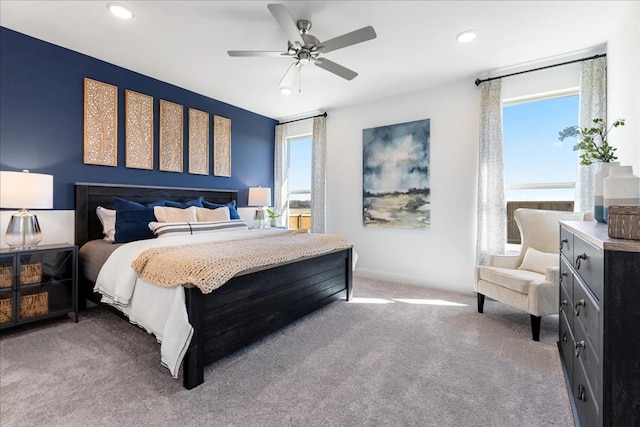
258,53
286,22
289,77
336,69
354,37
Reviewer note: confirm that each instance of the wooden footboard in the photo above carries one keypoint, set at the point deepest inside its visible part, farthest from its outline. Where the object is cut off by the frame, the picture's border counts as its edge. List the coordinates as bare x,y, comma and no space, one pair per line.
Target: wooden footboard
252,306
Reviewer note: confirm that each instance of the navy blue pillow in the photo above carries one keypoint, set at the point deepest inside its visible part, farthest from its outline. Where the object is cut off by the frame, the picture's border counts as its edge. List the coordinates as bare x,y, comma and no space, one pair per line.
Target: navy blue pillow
197,202
233,213
132,220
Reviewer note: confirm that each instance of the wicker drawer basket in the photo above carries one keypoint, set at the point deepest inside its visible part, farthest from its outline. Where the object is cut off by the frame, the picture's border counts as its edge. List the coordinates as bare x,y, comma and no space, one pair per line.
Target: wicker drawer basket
34,305
29,274
6,314
624,222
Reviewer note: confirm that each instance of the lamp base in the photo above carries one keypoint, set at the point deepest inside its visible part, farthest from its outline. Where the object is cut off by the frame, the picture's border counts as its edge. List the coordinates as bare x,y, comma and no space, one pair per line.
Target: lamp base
23,231
259,218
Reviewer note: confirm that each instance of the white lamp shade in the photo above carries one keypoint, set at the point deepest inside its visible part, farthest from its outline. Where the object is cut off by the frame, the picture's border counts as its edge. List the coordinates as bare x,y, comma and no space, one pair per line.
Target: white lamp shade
25,190
259,196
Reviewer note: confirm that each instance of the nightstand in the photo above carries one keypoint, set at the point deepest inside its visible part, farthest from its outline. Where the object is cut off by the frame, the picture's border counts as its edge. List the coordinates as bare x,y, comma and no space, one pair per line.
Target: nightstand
38,283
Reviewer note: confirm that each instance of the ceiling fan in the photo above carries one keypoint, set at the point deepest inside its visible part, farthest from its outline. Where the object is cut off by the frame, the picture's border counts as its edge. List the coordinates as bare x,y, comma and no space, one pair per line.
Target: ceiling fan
304,48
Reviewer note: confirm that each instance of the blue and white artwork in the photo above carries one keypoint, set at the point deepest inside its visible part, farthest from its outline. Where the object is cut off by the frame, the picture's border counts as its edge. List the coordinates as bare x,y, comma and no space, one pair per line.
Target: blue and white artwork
395,175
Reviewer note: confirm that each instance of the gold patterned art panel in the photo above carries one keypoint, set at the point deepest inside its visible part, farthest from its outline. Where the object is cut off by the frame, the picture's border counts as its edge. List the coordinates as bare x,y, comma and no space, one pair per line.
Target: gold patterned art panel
198,142
138,130
100,123
171,142
221,146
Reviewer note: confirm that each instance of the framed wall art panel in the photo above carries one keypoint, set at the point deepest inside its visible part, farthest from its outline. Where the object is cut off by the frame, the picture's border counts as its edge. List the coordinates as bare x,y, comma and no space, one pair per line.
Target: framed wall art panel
198,142
100,123
396,175
171,136
221,146
138,130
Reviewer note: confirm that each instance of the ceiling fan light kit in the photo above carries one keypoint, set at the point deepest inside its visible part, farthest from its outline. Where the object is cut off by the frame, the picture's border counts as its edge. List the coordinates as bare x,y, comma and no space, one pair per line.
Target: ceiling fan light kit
304,48
466,36
120,10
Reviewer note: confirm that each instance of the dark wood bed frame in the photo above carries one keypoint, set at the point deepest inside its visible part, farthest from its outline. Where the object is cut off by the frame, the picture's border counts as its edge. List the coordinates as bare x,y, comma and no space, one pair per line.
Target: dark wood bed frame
246,308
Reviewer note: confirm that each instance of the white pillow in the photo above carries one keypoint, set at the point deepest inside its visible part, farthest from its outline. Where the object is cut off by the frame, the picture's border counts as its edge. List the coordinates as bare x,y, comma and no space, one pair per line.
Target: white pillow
108,219
167,214
217,214
537,261
169,229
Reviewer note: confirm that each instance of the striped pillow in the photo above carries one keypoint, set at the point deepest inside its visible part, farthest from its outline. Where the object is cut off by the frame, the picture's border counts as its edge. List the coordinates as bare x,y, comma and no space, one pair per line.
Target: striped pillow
169,229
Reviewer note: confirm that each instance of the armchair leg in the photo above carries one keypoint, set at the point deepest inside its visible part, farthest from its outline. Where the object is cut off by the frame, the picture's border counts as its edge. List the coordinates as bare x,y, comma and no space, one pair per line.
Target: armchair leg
480,302
535,327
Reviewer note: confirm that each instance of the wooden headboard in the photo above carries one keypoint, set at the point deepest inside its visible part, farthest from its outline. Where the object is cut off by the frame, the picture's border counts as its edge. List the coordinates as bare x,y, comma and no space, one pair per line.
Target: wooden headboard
89,196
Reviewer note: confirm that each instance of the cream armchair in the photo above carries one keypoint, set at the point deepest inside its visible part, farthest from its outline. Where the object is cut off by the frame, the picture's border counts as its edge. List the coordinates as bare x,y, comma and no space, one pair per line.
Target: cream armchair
528,281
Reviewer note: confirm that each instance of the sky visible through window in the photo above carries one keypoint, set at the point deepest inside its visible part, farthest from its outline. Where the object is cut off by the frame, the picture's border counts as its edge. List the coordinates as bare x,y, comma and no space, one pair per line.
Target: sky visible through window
532,152
300,166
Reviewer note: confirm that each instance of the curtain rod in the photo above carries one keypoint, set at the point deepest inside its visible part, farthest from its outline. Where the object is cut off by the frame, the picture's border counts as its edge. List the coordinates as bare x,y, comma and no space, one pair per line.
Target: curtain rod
305,118
478,81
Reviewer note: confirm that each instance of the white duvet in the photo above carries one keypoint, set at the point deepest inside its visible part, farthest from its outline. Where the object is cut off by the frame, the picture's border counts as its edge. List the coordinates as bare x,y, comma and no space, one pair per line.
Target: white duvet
159,310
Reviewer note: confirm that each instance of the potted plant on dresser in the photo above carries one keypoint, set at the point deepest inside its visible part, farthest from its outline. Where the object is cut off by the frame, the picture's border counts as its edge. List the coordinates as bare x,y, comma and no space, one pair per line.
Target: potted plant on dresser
595,148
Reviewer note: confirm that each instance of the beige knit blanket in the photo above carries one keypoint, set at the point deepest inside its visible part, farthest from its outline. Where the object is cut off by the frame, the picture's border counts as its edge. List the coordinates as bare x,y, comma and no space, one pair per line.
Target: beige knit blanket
210,265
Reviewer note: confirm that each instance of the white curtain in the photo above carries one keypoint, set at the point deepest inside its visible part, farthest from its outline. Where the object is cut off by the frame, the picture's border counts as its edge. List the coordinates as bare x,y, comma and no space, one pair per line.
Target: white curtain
318,162
593,104
492,215
280,174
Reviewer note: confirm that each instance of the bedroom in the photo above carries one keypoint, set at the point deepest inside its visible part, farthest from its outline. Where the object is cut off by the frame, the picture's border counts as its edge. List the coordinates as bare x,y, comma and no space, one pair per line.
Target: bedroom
442,257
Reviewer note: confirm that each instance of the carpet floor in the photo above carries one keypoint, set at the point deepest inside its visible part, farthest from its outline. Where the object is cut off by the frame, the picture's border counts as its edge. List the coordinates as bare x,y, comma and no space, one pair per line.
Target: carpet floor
399,355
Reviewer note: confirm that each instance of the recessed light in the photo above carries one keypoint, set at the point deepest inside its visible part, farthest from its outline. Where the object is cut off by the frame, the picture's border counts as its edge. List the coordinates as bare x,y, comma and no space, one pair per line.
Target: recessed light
285,90
120,10
466,36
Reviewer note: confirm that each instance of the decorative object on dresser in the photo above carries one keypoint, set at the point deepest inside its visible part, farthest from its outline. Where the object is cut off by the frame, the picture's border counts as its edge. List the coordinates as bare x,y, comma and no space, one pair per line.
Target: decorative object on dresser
37,284
595,148
527,281
24,191
621,187
624,222
260,197
599,338
100,123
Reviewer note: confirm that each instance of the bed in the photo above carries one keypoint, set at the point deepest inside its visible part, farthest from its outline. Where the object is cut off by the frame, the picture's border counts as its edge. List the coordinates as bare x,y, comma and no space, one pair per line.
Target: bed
245,309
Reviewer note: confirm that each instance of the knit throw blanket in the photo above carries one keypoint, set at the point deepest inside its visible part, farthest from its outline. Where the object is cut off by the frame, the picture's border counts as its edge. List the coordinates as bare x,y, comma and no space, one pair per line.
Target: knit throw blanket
210,265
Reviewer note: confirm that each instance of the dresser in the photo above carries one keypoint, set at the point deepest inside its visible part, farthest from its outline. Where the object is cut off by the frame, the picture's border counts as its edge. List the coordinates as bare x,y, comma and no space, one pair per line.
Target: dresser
599,333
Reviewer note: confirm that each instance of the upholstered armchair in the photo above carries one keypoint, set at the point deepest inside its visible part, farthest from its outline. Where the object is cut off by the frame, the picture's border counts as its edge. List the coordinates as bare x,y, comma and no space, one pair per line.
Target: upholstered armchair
528,281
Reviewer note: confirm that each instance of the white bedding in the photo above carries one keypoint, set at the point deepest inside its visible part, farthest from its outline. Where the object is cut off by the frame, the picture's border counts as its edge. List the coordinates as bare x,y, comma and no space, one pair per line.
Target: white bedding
160,311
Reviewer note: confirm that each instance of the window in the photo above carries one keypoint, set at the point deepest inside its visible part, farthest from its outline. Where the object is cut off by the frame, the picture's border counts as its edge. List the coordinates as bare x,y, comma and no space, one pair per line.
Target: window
299,195
537,166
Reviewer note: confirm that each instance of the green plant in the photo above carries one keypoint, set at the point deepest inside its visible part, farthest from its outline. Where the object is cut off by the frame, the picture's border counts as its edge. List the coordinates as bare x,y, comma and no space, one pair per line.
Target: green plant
592,142
272,214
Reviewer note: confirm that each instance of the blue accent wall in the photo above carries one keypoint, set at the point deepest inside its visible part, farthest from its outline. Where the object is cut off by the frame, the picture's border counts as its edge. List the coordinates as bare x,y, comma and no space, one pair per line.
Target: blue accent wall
42,122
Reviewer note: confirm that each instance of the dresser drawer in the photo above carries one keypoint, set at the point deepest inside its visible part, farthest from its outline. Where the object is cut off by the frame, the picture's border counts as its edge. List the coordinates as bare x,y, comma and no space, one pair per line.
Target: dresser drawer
588,262
566,301
586,312
585,352
566,243
586,401
566,279
566,344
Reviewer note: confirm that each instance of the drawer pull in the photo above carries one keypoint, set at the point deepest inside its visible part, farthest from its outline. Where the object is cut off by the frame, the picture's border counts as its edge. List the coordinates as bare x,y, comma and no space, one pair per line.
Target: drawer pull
564,337
563,304
579,344
578,258
580,395
576,310
563,274
563,241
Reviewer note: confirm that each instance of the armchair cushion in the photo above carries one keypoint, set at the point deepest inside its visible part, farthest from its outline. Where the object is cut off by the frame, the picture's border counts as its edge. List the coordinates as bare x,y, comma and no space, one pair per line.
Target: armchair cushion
537,261
516,280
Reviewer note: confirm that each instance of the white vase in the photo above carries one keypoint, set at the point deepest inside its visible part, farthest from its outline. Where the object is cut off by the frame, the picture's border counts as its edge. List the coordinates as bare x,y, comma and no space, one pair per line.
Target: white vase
598,190
621,187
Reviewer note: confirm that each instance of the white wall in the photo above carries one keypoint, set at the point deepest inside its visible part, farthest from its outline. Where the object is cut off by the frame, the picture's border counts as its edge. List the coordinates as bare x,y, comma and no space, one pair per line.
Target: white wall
56,226
443,256
623,86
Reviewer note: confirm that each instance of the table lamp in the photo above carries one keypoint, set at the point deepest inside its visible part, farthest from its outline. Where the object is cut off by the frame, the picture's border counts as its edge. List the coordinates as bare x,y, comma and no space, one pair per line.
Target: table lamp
24,191
261,197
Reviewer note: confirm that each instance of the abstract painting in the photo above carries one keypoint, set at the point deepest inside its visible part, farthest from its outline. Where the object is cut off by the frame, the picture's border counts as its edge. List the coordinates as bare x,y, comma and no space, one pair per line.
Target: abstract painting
171,142
395,175
221,146
138,130
100,123
198,142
